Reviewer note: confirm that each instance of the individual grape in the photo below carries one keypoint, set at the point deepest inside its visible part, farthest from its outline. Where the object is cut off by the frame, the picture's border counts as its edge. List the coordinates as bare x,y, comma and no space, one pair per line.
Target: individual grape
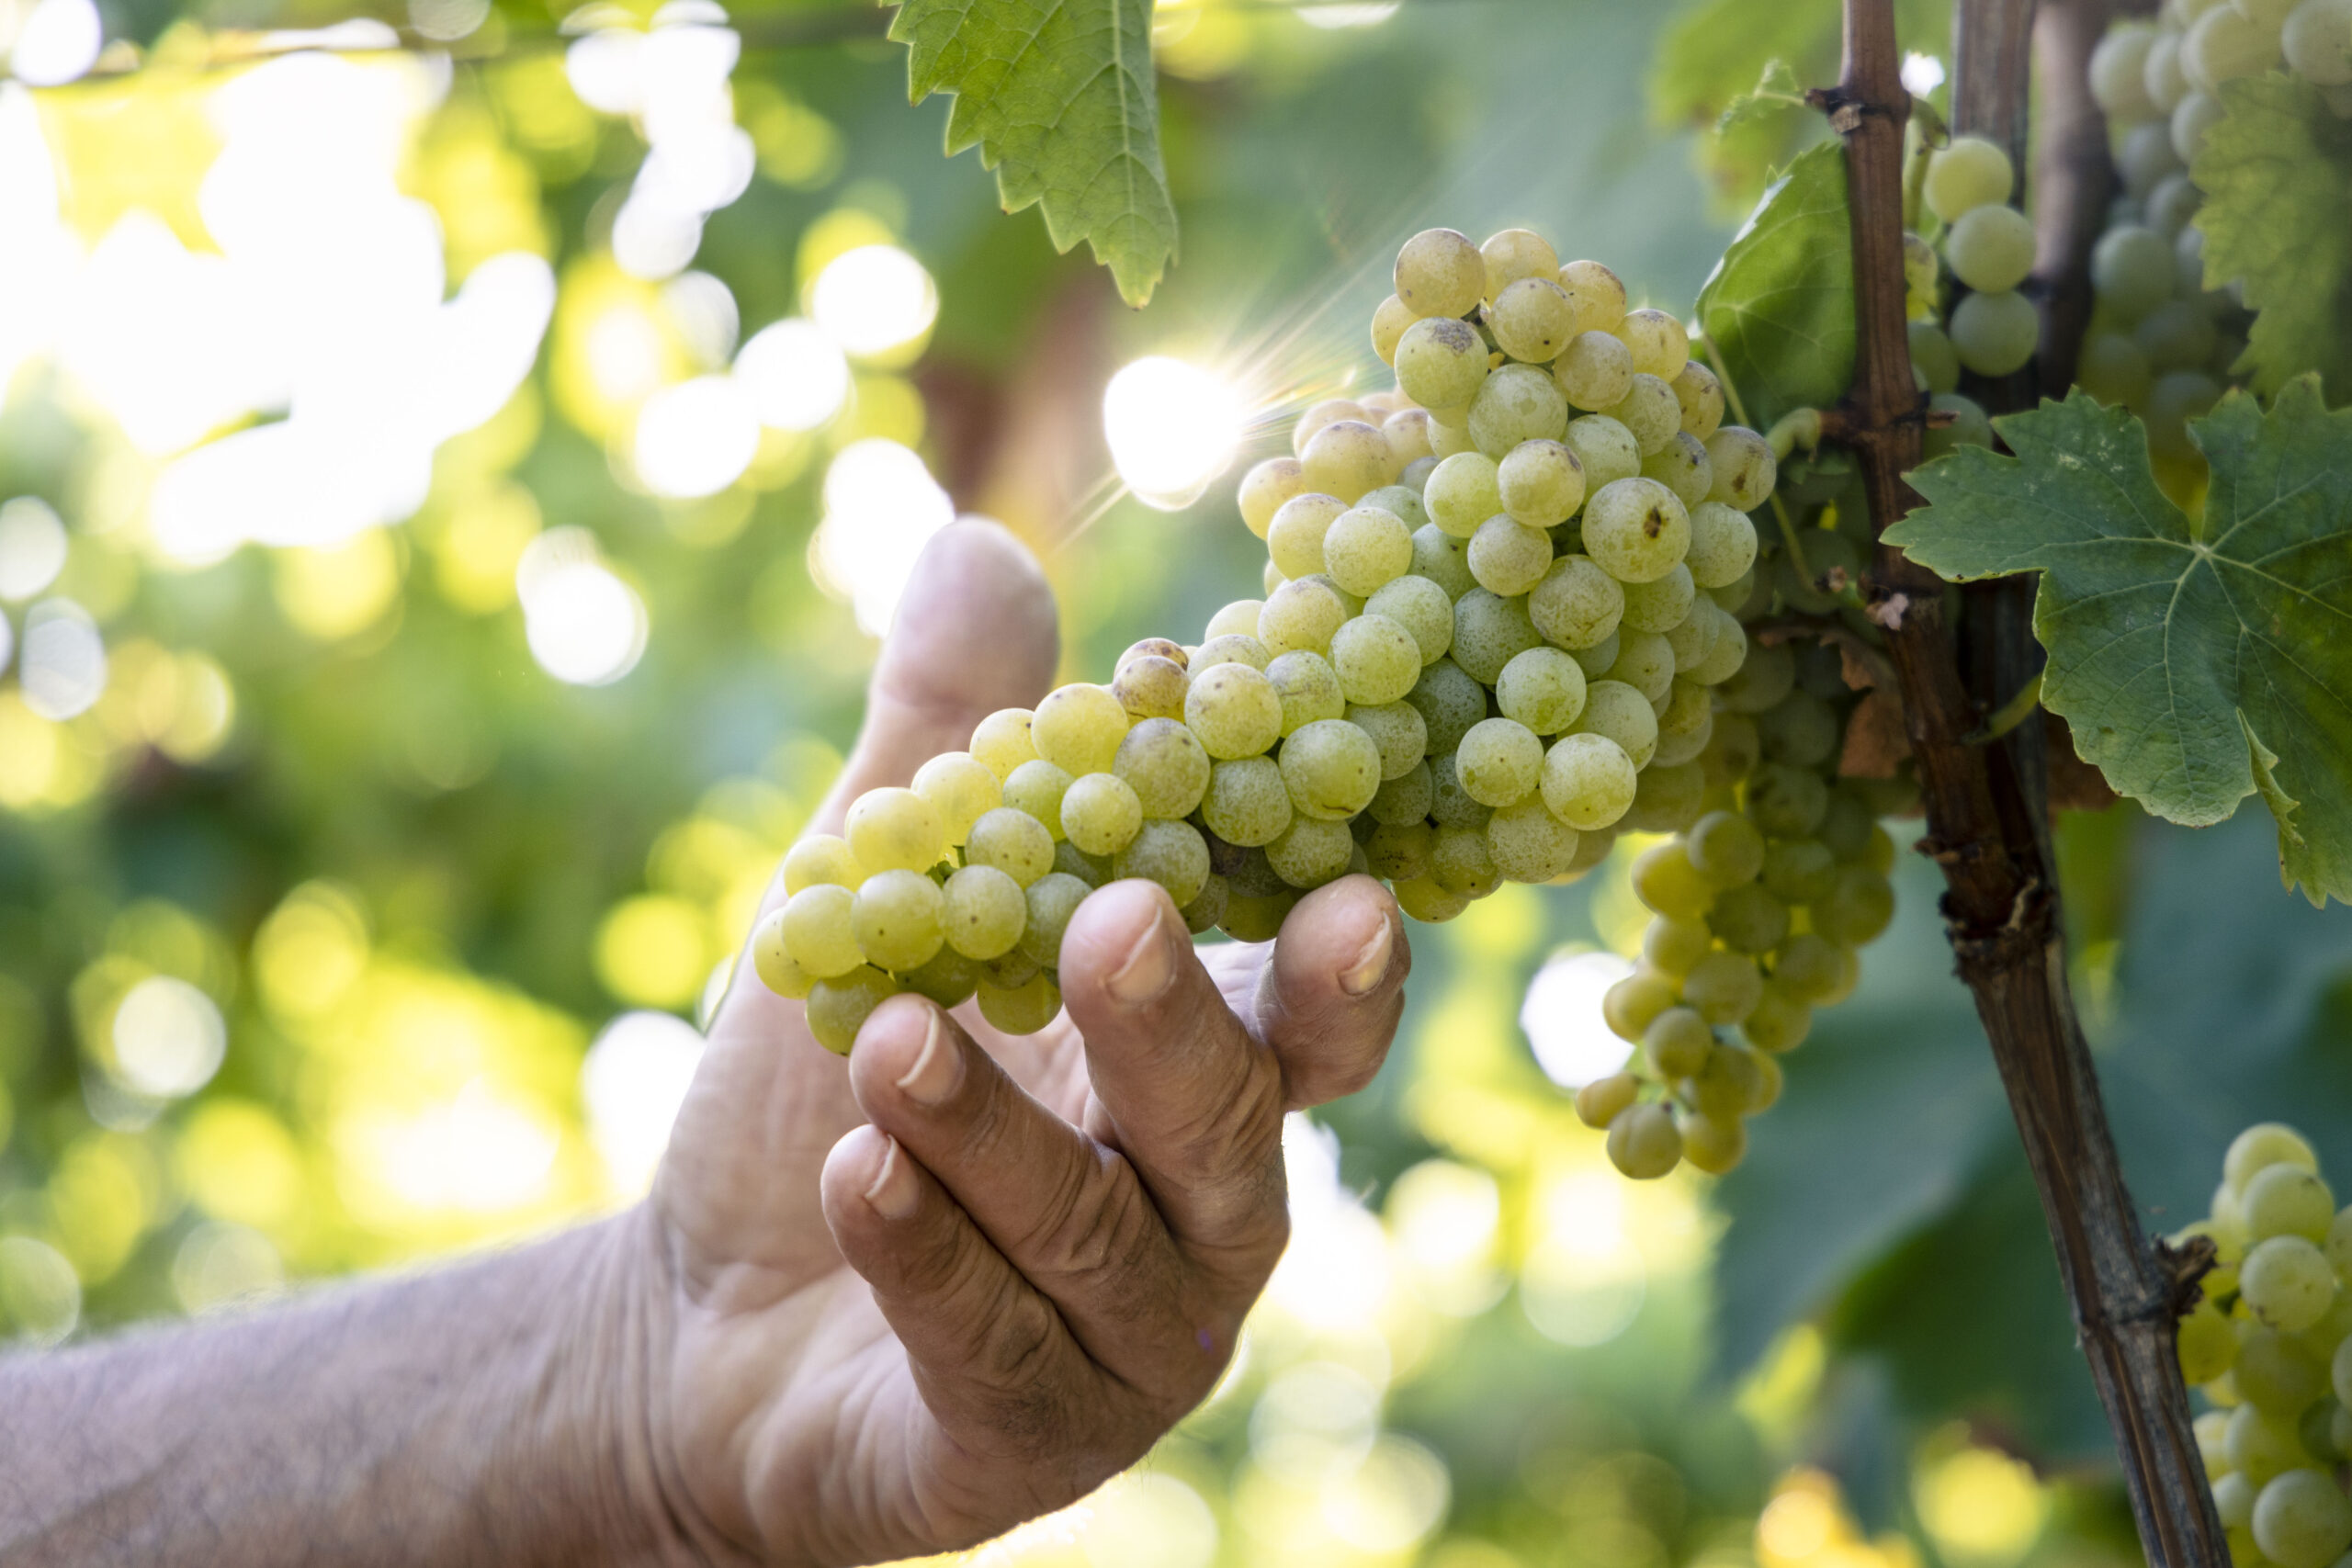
1037,788
1233,648
1799,871
2285,1199
1294,537
1990,249
2191,118
1150,687
1152,648
1683,467
1599,1102
1594,370
1052,899
1530,317
2131,269
1347,457
1237,619
1441,364
2176,336
1932,357
1994,334
1968,425
1633,1004
896,918
2145,160
1399,850
1527,843
2224,43
1744,468
817,931
1597,660
1577,604
1440,273
1589,781
1463,492
1723,986
1331,411
2259,1447
1234,711
1265,489
1500,761
1747,918
1722,544
1461,861
839,1007
1649,412
2301,1519
1015,969
1422,608
1399,733
1376,659
1645,663
1021,1010
1725,847
1365,548
1644,1142
1659,606
1173,854
1510,254
1001,741
1858,907
1659,347
1970,173
1013,841
947,977
1449,701
897,830
1671,947
1540,483
775,966
1724,659
1332,769
1489,631
2119,72
2317,42
1301,615
2262,1145
1714,1144
982,912
1802,729
1451,436
820,858
2287,1283
1100,814
1702,397
1516,403
1689,711
1617,712
1389,320
2174,201
1780,1021
1542,689
1636,529
1308,853
1407,434
1509,557
1606,449
1598,296
1309,690
1248,803
1405,798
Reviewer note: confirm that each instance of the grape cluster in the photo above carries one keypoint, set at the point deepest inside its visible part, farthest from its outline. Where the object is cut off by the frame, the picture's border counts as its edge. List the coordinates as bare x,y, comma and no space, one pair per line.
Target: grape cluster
2270,1347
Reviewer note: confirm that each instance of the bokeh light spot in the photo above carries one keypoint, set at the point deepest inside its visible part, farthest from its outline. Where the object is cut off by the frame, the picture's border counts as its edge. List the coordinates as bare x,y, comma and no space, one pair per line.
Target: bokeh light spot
1172,428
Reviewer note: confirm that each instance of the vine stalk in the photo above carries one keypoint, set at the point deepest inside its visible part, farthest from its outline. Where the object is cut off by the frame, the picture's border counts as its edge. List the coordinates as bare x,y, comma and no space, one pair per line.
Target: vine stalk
1985,826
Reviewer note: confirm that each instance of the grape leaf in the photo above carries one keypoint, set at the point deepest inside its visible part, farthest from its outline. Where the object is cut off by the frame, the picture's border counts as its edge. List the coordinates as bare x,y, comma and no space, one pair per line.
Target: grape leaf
2273,172
1779,306
1060,99
2198,662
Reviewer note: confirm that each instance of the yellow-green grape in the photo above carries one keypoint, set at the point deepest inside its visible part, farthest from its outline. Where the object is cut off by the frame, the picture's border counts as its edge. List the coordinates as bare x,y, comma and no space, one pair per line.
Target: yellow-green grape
1677,1044
896,829
1598,296
2314,40
1587,782
1744,468
1681,466
1347,457
2264,1144
1933,358
1990,249
982,912
1780,1021
1594,370
1489,631
1577,604
1309,854
1596,661
1722,544
1636,530
1052,899
1449,804
1665,880
1464,491
1440,273
1649,412
1423,899
1701,394
1645,663
1634,1003
1295,538
1528,843
817,930
1644,1142
1970,173
1389,320
1399,736
1037,788
1376,659
1206,911
2287,1283
1309,424
1799,871
1441,364
1723,661
1332,769
1657,606
1802,731
1723,986
1013,970
1500,761
1265,489
1153,647
1860,905
1620,712
896,916
1406,797
1399,851
1763,681
1510,254
1365,548
1747,918
1233,711
1247,803
1150,687
1461,861
1685,718
1407,434
1258,917
774,965
1422,608
838,1008
2208,1343
1531,317
1789,802
947,977
1994,334
1714,1144
1309,690
1516,403
2285,1199
1101,813
1540,483
1013,841
1451,436
1077,729
1600,1102
2212,1430
1443,560
1806,967
1022,1009
1302,614
1001,741
1233,648
1092,870
1542,689
1509,557
1163,764
1667,797
1659,345
1171,853
2260,1446
1671,946
2302,1519
1725,847
820,858
1403,497
1449,701
960,787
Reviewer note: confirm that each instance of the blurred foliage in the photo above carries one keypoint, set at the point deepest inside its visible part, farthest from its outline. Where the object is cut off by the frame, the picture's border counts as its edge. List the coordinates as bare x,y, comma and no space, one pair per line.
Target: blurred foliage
337,930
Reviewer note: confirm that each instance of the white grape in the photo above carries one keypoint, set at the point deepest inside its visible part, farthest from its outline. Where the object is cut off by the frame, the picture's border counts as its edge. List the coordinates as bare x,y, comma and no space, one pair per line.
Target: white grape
1971,172
1991,248
1995,333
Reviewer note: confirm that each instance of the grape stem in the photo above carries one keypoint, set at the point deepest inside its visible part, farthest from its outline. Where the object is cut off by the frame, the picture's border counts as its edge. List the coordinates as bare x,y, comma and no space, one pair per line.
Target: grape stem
2011,714
1984,828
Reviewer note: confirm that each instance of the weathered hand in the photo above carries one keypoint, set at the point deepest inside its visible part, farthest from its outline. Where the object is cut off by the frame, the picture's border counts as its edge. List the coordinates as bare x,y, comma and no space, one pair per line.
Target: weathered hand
900,1303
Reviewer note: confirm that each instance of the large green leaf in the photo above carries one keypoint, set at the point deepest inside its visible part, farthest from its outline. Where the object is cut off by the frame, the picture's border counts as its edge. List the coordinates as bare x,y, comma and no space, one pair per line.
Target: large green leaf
2196,663
2273,172
1060,96
1779,306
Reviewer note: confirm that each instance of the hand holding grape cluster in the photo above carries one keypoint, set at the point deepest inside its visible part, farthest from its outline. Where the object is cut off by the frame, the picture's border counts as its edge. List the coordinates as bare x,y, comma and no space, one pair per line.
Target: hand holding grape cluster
1499,629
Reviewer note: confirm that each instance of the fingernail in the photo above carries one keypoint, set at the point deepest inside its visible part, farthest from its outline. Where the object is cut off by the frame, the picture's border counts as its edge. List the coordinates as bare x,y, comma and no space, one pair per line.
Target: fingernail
1371,962
893,1193
1147,968
938,1066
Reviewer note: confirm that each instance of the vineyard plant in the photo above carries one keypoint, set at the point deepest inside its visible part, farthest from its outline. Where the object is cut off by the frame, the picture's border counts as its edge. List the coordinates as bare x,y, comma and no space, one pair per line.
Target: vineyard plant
1809,546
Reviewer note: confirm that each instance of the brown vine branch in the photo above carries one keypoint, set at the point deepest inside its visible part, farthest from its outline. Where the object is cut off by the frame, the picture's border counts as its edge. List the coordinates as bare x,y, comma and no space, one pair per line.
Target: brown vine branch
2001,901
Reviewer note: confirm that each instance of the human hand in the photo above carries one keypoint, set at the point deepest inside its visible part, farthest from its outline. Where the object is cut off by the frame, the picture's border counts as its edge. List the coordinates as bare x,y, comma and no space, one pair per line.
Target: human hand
897,1304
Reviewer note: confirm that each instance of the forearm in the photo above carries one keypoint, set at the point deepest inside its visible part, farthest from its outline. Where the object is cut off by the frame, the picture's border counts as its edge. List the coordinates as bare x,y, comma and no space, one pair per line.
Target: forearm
491,1413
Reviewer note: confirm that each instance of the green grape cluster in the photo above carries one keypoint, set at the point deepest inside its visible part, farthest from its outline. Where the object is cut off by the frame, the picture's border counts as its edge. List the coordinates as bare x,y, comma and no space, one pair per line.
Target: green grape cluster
1988,247
2269,1348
